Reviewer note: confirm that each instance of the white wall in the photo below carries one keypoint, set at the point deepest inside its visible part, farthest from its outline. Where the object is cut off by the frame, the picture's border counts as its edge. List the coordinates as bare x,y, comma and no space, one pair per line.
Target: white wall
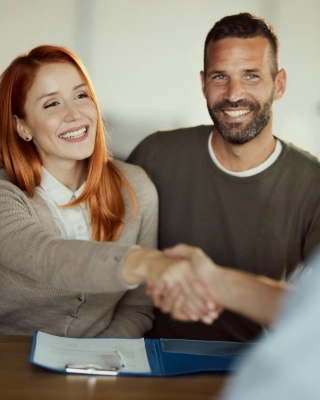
28,23
144,57
297,115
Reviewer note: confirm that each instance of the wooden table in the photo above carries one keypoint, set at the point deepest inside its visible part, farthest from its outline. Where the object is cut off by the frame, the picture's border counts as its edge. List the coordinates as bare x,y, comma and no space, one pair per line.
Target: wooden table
19,379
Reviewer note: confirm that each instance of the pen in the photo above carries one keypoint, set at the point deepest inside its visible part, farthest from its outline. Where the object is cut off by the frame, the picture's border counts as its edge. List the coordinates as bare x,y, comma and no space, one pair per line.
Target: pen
121,358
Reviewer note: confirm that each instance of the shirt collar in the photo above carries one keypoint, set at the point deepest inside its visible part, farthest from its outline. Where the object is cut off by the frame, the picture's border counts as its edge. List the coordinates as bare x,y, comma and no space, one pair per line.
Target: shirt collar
59,193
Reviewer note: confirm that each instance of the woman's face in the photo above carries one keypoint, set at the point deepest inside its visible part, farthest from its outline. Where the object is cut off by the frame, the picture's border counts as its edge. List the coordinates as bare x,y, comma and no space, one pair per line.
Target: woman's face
60,117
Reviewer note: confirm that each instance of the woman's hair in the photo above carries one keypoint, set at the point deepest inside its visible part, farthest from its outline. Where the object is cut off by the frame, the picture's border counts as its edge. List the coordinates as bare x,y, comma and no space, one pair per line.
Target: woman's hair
23,162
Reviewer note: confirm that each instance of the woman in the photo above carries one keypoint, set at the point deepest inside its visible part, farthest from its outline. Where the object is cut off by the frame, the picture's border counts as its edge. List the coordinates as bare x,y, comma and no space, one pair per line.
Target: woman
57,182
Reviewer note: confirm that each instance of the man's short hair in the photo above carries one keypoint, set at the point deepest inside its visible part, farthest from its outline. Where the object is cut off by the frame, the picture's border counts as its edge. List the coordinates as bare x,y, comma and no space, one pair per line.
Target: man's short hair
244,25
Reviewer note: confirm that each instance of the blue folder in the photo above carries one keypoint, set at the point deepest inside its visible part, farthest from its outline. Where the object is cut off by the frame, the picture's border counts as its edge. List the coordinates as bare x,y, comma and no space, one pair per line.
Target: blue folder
177,357
167,357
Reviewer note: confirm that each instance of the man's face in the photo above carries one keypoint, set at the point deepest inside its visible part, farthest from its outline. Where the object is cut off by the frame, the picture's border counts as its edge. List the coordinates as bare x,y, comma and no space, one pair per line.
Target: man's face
239,87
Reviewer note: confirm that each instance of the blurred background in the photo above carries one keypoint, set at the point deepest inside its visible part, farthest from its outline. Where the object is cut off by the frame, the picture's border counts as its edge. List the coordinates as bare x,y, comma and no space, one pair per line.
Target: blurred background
144,58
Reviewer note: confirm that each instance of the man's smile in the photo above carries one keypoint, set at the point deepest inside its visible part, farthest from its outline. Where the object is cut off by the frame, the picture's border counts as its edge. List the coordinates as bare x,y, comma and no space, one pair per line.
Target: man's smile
236,113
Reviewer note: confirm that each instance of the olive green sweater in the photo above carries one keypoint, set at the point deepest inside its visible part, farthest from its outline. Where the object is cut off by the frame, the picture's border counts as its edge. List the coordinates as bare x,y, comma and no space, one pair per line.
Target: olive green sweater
264,224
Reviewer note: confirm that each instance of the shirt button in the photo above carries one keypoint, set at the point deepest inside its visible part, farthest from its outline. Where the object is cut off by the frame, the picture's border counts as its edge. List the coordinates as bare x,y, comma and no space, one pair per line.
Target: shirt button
72,315
80,298
80,227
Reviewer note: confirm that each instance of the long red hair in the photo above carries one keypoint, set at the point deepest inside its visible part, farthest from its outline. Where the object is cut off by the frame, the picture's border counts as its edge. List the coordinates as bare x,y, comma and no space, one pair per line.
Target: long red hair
23,162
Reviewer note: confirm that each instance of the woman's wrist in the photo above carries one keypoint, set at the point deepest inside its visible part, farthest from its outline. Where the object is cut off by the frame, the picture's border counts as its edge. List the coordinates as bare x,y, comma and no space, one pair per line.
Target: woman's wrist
132,271
136,268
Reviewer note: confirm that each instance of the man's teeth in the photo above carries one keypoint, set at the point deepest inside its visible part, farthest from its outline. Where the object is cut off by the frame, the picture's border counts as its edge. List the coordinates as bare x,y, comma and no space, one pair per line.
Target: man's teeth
74,134
236,113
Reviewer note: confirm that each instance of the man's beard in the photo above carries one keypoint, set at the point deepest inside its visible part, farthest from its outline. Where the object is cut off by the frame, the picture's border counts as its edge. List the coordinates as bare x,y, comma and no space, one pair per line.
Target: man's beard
236,132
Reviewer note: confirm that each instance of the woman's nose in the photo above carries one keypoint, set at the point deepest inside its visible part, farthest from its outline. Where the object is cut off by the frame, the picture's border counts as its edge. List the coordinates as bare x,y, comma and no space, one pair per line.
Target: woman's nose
72,112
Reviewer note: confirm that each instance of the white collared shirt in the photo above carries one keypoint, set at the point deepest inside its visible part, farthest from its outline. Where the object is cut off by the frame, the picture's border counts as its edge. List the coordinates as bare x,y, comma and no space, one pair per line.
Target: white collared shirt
72,222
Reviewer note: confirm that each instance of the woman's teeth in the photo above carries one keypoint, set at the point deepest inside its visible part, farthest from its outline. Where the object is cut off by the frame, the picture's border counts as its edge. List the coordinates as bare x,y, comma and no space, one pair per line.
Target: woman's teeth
74,134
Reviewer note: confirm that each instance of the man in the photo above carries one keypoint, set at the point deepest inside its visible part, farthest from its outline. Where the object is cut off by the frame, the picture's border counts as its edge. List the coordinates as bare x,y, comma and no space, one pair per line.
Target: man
248,199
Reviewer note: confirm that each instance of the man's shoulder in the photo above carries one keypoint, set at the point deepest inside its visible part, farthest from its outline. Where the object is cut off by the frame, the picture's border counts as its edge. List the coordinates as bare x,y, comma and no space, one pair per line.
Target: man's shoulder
301,157
176,135
151,150
4,176
182,133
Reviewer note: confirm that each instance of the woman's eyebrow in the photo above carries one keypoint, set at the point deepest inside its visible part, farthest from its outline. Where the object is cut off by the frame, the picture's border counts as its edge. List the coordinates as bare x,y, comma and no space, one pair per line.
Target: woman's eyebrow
54,93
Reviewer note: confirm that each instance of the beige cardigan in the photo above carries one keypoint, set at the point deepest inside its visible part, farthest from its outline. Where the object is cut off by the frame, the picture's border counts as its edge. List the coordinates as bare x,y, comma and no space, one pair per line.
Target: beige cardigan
71,287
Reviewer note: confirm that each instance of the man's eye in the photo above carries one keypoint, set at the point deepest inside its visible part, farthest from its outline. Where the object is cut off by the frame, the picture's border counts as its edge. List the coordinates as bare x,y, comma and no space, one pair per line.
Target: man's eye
53,104
251,76
218,77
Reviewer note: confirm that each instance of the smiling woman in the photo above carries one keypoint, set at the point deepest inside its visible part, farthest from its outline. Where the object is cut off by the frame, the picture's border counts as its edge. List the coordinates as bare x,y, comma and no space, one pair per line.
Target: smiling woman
61,120
73,220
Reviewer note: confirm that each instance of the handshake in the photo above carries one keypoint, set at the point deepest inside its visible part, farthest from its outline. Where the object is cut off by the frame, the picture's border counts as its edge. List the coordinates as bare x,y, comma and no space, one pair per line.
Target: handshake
184,282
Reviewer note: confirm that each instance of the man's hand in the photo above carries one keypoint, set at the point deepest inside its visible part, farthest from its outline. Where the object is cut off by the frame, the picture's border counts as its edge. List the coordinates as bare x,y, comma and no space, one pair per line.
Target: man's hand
183,290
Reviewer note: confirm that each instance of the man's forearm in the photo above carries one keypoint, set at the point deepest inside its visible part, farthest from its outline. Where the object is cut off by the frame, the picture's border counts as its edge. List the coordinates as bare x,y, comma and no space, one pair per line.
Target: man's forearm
255,297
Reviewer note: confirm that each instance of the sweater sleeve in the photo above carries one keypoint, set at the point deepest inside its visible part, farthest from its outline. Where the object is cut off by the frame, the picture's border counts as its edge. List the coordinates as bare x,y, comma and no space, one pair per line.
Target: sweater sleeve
133,315
30,248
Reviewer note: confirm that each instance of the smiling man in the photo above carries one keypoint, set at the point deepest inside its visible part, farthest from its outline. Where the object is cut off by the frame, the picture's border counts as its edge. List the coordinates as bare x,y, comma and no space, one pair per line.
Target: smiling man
250,200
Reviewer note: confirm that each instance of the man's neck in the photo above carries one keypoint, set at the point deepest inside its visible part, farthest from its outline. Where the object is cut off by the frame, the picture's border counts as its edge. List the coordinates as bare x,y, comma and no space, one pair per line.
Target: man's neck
238,158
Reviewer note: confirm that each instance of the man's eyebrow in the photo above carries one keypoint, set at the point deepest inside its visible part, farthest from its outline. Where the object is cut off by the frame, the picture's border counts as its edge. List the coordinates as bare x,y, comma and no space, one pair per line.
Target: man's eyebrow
222,71
252,70
55,93
216,72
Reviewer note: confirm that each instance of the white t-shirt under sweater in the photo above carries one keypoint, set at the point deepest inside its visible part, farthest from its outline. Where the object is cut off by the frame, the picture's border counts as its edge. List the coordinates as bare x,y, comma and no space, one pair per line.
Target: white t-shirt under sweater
250,172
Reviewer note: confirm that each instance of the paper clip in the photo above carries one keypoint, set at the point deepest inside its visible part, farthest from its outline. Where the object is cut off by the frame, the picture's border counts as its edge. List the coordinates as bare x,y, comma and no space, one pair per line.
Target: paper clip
92,369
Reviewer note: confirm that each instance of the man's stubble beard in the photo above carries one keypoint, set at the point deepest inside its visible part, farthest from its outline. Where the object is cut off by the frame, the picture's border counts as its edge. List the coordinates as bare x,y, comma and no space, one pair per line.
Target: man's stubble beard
235,132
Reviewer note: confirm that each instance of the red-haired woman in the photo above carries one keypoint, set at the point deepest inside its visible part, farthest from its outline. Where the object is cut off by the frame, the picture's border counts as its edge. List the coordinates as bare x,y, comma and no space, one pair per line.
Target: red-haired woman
58,182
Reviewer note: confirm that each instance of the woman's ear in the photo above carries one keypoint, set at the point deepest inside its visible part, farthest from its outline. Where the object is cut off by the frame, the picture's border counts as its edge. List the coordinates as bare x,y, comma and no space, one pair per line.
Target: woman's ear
21,129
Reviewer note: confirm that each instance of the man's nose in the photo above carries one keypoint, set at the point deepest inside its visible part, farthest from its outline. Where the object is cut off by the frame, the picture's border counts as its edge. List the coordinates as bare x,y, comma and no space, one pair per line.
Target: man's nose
235,91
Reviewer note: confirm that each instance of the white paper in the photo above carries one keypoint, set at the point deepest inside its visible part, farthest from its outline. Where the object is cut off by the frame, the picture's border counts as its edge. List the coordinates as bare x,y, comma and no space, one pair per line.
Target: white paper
56,352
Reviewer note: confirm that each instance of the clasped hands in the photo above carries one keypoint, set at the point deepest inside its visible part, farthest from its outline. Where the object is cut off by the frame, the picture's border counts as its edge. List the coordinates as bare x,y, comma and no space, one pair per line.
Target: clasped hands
184,286
186,283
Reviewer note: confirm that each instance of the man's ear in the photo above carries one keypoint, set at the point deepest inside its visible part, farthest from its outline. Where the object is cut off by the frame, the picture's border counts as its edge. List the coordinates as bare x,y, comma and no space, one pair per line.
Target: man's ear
203,83
280,84
21,128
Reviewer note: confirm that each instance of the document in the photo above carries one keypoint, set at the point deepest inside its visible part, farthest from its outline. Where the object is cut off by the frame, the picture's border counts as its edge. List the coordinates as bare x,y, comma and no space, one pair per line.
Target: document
125,357
55,352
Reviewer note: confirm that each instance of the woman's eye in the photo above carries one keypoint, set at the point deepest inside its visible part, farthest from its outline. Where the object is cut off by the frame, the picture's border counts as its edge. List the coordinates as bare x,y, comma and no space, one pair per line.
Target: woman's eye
82,96
53,104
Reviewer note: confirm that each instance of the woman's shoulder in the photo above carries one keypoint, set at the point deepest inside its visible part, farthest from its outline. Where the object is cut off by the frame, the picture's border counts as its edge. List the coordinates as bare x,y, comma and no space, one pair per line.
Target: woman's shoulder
138,179
134,174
